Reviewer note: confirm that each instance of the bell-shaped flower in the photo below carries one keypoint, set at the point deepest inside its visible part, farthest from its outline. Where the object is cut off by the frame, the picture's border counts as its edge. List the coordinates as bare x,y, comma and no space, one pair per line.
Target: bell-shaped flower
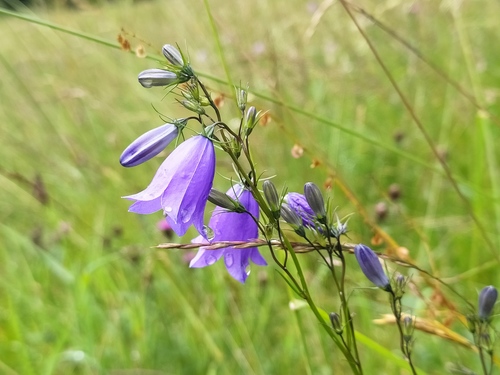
157,77
232,226
298,203
181,186
487,300
149,145
371,267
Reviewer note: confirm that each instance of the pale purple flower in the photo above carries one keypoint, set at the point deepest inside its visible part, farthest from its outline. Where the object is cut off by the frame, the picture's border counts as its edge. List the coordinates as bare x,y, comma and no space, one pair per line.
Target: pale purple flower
149,145
181,186
173,55
298,204
232,226
371,267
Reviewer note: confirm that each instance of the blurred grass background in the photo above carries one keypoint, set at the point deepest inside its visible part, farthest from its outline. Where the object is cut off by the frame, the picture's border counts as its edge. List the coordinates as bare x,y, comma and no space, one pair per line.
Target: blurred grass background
83,292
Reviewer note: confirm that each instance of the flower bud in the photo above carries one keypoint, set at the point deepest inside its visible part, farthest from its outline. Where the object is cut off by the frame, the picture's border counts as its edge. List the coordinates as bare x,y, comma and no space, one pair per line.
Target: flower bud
298,204
193,106
487,299
173,55
149,145
408,327
336,323
315,200
241,98
157,77
250,120
225,201
371,267
292,219
272,198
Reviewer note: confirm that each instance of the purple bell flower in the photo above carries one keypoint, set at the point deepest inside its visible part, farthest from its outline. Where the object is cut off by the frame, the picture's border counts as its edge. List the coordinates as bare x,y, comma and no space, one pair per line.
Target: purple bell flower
148,145
298,203
371,267
232,226
181,186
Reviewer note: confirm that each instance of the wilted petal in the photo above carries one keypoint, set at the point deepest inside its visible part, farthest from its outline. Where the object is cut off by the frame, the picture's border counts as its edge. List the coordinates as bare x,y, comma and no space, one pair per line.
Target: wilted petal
148,145
233,226
157,77
181,186
371,267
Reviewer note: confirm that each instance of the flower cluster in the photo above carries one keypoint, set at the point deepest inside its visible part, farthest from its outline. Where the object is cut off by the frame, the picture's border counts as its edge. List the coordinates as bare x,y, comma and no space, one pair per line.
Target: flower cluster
183,182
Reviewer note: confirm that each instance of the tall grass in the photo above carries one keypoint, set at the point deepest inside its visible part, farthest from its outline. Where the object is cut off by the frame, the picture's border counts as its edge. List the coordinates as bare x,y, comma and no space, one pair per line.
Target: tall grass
82,290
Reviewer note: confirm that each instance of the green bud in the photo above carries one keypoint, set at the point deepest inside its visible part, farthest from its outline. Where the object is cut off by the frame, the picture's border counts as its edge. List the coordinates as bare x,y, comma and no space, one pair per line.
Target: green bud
193,106
408,328
336,323
241,98
225,201
250,120
272,198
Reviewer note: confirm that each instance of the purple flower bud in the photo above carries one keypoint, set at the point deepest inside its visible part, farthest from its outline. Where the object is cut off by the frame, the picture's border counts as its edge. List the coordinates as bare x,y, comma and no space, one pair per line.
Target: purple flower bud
233,226
298,204
487,299
371,267
173,55
315,200
157,77
272,197
148,145
181,186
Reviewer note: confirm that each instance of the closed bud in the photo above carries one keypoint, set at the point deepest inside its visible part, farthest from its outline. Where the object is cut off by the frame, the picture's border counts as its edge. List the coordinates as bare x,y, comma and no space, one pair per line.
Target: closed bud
272,198
487,300
225,201
193,106
315,199
336,323
292,219
250,120
472,323
371,267
173,55
157,77
150,144
408,327
399,285
241,98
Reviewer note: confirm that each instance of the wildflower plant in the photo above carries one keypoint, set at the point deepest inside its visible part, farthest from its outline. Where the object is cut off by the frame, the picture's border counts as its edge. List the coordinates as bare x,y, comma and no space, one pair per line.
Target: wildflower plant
254,218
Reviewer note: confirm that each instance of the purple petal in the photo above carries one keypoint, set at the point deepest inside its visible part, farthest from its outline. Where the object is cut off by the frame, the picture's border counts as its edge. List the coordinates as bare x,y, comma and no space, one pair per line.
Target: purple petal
298,203
232,226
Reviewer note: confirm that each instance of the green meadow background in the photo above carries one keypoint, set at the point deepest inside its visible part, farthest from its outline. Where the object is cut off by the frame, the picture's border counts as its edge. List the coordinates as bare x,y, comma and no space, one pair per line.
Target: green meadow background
83,291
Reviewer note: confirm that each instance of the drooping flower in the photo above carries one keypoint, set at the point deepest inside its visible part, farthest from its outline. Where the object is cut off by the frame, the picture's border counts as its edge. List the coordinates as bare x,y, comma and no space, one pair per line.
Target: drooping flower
232,226
149,144
298,203
181,186
371,267
157,77
487,300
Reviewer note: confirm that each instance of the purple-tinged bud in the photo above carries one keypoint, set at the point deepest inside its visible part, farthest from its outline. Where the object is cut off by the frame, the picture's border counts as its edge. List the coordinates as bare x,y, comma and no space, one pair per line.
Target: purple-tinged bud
149,145
315,200
250,120
371,267
272,198
298,204
487,299
157,77
293,219
173,55
408,328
